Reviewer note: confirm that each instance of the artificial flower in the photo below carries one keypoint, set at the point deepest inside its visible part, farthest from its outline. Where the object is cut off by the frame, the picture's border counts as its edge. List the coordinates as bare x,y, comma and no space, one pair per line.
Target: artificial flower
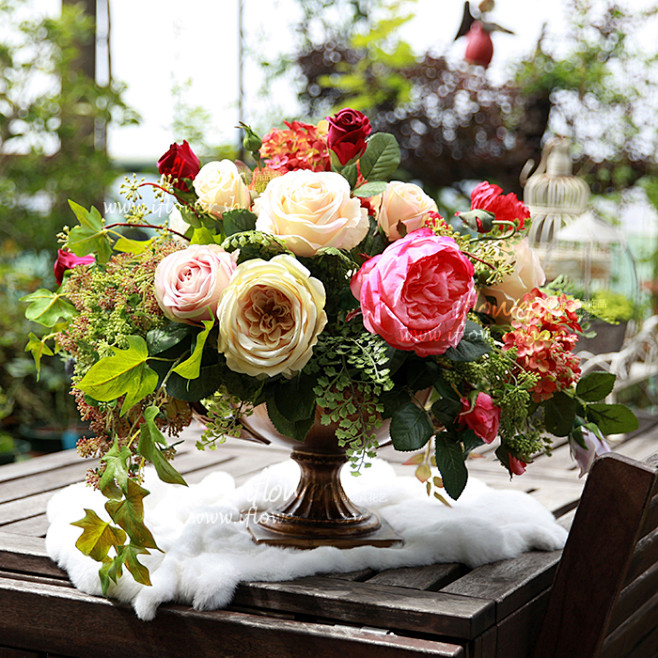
220,187
417,293
298,146
585,457
310,210
482,416
67,260
506,207
188,283
179,163
270,316
402,208
348,130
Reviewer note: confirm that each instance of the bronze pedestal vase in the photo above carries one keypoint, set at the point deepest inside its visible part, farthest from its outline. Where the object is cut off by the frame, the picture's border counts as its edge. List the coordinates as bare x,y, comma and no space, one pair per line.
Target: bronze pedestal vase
319,513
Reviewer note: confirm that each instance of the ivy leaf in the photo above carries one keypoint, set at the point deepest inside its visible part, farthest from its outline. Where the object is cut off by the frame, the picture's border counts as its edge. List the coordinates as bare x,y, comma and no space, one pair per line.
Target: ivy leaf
560,413
149,437
612,418
451,464
472,346
116,470
129,515
47,307
595,386
191,367
37,348
91,236
203,235
410,428
97,536
128,555
135,247
238,220
124,373
370,189
381,158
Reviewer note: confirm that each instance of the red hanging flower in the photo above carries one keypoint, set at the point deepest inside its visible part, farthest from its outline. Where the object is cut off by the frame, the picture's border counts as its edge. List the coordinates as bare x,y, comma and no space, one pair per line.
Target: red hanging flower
67,260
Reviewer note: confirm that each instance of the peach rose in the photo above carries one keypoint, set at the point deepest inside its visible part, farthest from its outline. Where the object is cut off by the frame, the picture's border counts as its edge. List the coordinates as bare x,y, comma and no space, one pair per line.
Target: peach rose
310,210
527,274
402,208
270,317
189,283
220,187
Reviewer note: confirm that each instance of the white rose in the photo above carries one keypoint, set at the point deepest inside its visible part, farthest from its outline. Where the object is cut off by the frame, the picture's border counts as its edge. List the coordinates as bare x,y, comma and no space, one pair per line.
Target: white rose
310,210
401,209
527,274
270,316
220,187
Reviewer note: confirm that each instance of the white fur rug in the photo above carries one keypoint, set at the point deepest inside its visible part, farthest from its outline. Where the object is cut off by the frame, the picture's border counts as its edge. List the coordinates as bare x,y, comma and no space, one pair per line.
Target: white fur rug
208,551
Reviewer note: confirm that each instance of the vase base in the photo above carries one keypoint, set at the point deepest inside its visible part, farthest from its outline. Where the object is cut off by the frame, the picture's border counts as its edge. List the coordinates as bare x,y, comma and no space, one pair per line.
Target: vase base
383,537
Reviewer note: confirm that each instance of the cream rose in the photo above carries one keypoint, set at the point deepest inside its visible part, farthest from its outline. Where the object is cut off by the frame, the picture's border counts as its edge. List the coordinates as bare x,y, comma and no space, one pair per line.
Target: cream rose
220,187
401,209
189,283
270,316
310,210
527,274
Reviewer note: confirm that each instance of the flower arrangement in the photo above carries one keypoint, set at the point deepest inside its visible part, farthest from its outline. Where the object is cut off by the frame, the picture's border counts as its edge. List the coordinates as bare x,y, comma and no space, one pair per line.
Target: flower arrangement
310,281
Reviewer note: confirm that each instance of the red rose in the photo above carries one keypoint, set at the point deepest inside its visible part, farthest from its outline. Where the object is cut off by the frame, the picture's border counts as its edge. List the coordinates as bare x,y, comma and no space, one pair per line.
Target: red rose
483,417
504,206
67,261
348,130
516,465
179,162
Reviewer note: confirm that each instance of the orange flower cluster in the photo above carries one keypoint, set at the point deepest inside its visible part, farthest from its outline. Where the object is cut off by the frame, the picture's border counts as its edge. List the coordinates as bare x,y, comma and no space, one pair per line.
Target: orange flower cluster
299,146
545,333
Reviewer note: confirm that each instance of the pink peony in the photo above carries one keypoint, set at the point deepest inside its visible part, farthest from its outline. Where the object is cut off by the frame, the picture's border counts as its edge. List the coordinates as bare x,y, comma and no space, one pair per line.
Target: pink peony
417,293
483,417
504,206
67,260
189,283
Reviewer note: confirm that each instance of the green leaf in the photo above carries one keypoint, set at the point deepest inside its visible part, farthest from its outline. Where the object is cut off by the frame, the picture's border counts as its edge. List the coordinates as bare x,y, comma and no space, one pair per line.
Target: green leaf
124,373
381,158
612,418
295,398
295,429
191,368
370,189
129,515
410,428
161,340
132,246
446,410
192,390
560,414
47,307
203,235
116,469
37,348
595,386
97,536
128,555
350,174
393,400
473,345
238,220
149,436
451,464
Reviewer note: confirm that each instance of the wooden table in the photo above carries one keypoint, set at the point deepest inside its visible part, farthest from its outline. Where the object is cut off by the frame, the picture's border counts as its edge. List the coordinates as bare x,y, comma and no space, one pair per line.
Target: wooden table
437,610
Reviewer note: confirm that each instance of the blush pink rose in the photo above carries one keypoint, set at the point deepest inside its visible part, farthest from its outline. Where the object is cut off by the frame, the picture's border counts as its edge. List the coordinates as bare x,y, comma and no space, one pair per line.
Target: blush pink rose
417,293
483,416
189,283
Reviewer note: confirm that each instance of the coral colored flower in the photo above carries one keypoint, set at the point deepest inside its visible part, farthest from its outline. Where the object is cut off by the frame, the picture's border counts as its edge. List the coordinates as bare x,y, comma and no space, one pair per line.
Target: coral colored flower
309,210
483,416
402,208
417,293
299,146
348,130
189,282
270,317
507,207
67,260
179,162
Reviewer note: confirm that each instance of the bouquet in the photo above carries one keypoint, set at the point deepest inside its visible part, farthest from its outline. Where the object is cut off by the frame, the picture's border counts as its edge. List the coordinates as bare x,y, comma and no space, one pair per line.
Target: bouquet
312,284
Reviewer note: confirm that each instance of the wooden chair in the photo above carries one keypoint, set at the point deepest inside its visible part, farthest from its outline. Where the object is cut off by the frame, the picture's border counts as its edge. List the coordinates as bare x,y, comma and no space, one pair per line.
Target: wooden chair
604,602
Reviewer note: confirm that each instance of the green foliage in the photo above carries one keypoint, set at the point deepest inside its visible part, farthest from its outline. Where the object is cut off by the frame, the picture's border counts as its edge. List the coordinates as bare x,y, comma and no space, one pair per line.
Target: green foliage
48,139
